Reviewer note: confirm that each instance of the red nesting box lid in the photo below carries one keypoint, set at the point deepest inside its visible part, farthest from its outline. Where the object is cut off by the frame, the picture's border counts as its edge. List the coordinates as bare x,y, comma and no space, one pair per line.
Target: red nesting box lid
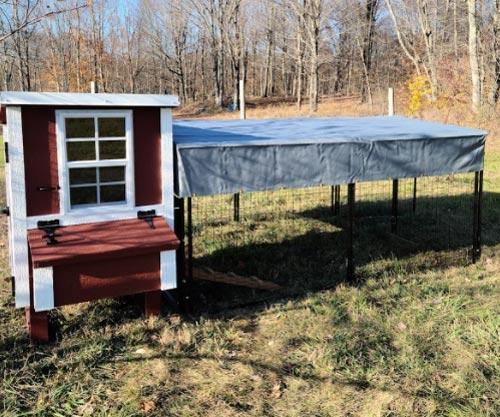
101,241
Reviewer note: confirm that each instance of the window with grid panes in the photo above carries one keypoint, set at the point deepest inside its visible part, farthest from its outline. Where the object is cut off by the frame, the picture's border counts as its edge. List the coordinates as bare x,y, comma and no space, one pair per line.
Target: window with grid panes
96,159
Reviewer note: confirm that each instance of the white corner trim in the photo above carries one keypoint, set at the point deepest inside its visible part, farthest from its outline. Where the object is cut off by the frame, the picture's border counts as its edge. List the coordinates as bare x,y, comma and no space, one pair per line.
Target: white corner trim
43,288
167,164
168,270
17,200
168,263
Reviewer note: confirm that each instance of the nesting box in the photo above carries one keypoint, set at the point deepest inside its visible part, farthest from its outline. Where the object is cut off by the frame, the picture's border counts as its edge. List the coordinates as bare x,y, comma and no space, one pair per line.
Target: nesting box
90,198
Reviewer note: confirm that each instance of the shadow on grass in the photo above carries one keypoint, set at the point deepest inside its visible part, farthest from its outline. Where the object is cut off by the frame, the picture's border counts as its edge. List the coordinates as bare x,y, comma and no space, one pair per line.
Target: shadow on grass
434,237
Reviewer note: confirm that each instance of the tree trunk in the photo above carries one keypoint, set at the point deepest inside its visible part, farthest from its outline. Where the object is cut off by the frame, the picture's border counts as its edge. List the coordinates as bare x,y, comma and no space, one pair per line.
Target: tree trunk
495,90
366,56
473,56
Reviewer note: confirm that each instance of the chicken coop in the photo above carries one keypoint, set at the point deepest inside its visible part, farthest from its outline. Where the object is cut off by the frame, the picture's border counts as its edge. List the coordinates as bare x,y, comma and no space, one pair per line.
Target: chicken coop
107,197
89,198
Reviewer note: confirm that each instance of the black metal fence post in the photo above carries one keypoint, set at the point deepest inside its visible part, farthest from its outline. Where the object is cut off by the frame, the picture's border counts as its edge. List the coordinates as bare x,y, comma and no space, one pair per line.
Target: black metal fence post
394,216
190,238
236,207
182,284
476,232
351,198
337,200
414,205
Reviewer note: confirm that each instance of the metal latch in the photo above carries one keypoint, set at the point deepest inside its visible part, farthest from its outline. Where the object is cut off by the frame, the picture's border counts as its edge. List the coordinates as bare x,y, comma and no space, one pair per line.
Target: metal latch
6,147
49,227
47,188
5,210
148,216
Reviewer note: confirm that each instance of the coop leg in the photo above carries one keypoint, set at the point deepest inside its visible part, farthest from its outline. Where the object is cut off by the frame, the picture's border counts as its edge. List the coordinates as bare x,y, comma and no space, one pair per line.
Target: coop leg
38,325
351,188
394,217
152,303
478,196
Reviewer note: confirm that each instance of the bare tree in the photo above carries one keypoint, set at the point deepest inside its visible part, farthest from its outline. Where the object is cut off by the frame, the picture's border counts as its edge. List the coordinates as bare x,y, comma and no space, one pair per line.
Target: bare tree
473,55
495,89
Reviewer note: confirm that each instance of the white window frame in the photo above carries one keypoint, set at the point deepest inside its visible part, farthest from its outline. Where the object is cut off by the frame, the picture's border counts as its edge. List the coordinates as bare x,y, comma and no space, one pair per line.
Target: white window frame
64,165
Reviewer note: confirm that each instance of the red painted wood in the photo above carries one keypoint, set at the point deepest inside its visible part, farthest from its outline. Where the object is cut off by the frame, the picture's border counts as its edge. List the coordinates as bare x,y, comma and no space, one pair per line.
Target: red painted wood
38,325
101,241
147,156
106,279
40,153
152,303
3,115
40,159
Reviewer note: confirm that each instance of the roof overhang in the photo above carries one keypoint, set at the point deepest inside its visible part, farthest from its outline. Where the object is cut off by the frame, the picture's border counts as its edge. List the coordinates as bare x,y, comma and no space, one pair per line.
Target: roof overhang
21,98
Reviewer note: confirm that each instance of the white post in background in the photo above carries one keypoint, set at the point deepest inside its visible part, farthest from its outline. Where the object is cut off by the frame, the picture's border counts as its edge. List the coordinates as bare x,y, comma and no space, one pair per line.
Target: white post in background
93,88
243,114
390,101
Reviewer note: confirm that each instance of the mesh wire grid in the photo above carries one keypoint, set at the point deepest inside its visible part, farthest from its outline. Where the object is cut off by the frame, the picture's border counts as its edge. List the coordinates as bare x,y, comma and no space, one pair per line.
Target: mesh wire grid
296,239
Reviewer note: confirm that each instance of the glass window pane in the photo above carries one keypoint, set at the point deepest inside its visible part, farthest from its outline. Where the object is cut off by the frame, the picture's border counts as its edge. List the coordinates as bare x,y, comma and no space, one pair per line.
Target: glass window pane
112,149
80,127
83,195
82,176
81,151
112,193
111,174
110,127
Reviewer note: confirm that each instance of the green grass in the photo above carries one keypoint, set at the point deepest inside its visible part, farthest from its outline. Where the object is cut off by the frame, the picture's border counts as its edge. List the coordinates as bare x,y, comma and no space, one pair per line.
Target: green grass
416,336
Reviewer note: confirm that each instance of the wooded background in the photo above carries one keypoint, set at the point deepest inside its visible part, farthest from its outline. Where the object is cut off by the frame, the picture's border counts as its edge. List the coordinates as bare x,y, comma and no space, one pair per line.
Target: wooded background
296,50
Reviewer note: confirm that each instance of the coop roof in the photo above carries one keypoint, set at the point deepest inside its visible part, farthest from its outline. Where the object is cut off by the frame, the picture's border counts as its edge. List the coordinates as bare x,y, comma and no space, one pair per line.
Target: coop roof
220,157
21,98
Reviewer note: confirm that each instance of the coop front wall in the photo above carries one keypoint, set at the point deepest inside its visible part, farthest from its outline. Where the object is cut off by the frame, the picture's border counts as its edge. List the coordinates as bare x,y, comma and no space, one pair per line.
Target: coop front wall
32,136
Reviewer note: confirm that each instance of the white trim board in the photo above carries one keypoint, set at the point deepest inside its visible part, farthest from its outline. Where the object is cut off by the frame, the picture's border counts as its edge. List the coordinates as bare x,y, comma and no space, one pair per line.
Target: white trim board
168,262
16,188
95,216
64,165
24,98
168,270
43,288
167,164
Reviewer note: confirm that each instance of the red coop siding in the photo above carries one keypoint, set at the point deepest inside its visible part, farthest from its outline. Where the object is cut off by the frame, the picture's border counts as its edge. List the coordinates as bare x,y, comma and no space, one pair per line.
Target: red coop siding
114,278
40,160
147,158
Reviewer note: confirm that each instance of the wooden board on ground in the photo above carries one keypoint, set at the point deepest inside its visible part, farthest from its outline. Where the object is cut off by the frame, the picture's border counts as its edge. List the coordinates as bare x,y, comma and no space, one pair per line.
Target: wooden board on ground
207,274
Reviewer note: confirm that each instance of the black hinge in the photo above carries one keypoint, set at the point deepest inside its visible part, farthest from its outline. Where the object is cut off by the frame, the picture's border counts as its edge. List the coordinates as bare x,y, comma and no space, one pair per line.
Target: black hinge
5,210
6,146
49,227
13,285
148,216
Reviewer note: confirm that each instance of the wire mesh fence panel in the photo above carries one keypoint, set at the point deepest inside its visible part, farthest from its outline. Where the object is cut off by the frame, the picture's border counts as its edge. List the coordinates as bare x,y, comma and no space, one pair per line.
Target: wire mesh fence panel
296,238
432,225
289,237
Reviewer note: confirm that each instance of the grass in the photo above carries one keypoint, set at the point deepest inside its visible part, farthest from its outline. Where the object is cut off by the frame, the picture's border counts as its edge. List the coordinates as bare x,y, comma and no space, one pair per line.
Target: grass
416,336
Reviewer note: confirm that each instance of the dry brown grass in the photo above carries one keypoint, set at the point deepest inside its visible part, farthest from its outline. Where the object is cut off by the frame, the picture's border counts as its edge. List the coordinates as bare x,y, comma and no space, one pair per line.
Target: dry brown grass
419,343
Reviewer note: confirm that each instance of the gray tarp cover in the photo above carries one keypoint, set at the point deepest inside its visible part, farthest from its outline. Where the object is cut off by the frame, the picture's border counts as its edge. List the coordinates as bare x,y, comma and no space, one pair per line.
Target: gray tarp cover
220,157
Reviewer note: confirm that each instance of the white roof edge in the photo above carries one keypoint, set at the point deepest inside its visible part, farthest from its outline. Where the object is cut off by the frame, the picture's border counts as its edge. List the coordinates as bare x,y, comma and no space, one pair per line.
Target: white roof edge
20,98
